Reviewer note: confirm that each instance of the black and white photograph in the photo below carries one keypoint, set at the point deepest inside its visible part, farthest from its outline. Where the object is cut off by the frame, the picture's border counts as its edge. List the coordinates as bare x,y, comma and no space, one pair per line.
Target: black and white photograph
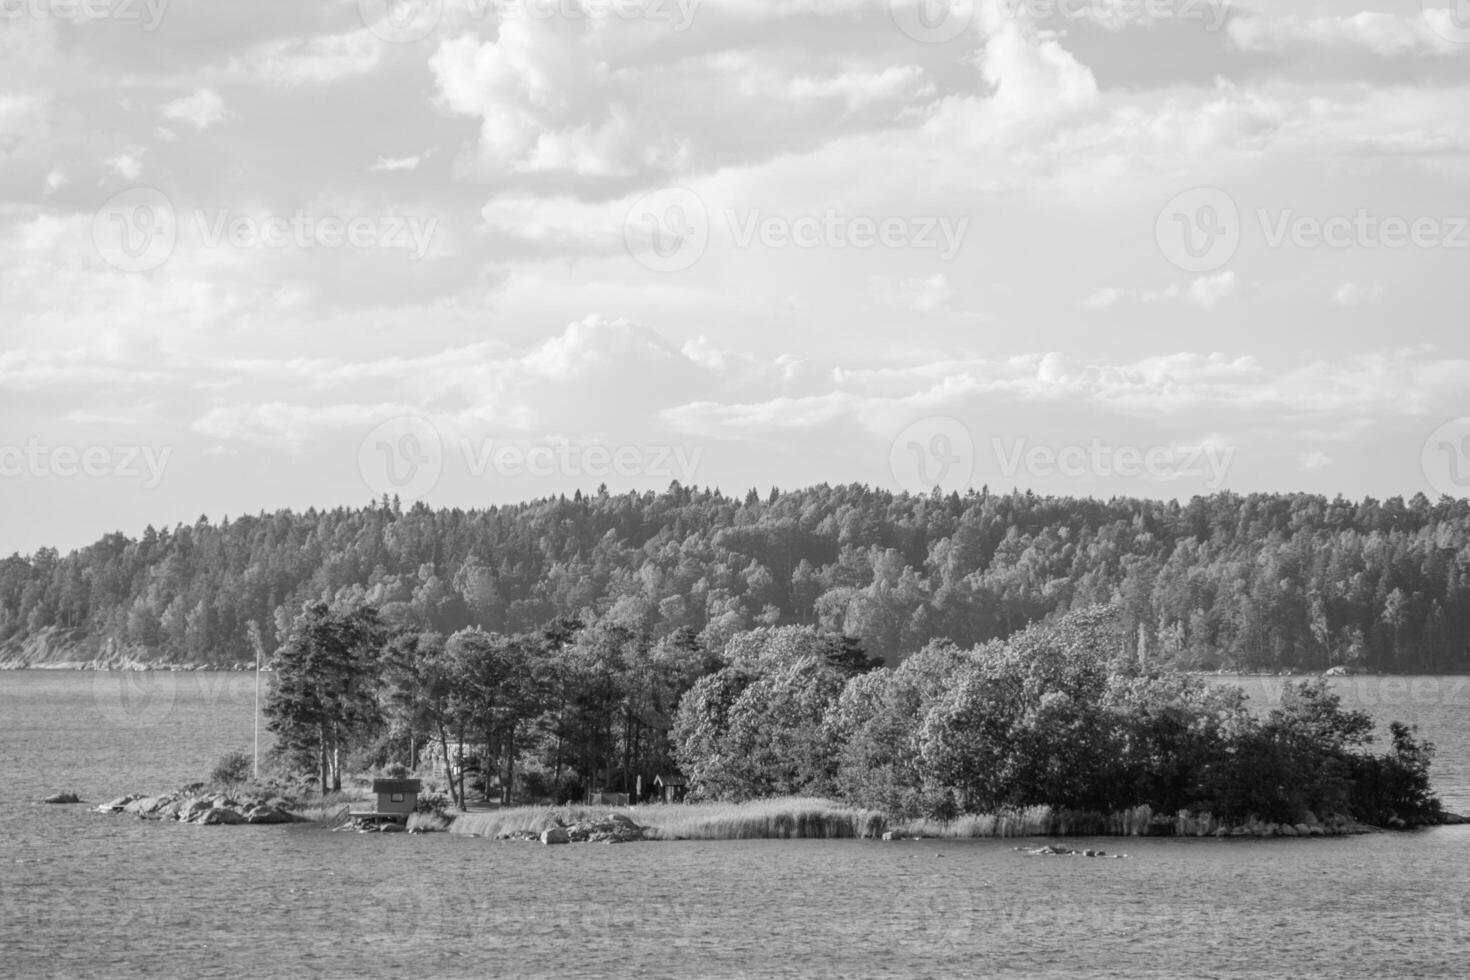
735,489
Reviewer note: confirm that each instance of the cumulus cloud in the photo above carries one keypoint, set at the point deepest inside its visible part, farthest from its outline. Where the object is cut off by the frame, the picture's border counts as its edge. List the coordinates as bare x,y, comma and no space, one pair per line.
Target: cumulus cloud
201,110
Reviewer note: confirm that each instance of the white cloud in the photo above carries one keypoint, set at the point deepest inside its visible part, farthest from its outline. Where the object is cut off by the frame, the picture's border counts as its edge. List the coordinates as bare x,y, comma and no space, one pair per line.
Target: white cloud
201,110
1314,460
1351,294
1210,291
390,164
127,164
926,294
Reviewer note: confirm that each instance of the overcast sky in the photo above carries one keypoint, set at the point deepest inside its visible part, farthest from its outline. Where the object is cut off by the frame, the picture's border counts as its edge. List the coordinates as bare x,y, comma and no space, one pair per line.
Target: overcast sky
290,253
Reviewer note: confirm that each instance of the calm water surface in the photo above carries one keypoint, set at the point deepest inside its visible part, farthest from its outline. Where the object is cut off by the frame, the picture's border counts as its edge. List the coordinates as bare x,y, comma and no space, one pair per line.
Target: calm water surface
86,895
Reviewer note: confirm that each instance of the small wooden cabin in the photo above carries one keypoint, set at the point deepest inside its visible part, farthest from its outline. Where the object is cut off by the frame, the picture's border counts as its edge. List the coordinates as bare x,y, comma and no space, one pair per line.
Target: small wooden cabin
672,787
396,796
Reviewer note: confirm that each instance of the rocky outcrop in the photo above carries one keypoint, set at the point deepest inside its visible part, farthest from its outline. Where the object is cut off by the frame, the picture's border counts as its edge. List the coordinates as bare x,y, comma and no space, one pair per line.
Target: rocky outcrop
614,829
62,798
1056,850
206,810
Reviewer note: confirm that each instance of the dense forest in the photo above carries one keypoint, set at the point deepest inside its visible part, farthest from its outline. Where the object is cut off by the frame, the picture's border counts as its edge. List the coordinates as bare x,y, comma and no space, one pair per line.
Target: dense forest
1056,716
1254,582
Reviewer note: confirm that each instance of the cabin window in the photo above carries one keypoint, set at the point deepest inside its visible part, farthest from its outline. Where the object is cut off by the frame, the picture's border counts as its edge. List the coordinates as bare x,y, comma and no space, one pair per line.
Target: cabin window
397,797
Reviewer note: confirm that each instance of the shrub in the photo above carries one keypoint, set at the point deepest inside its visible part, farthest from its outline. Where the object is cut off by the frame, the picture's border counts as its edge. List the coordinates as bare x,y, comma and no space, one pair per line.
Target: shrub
232,769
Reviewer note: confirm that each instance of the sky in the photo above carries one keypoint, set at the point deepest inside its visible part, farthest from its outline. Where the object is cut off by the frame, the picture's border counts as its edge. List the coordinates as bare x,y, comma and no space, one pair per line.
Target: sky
300,253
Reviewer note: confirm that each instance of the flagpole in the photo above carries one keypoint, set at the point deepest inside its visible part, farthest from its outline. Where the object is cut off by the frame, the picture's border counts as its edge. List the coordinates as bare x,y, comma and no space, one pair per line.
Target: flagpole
256,767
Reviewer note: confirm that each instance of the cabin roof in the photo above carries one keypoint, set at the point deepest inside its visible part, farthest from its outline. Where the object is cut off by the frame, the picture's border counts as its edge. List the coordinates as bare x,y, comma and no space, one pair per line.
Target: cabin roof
396,785
670,780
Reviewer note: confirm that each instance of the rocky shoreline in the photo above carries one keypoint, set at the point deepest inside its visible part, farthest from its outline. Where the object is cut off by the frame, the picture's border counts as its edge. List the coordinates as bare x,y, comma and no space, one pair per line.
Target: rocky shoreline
204,809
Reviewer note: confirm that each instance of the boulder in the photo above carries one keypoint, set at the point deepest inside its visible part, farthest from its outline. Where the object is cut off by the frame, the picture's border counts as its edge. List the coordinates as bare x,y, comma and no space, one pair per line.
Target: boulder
890,835
555,835
216,815
193,811
116,806
62,798
392,828
1302,830
264,813
148,806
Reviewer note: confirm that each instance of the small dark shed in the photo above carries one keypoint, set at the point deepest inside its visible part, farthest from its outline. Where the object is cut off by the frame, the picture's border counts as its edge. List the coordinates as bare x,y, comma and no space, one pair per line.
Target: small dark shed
396,796
673,787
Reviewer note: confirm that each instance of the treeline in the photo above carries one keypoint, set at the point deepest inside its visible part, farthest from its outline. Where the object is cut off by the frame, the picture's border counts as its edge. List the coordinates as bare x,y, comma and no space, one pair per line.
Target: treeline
551,713
1058,715
1225,581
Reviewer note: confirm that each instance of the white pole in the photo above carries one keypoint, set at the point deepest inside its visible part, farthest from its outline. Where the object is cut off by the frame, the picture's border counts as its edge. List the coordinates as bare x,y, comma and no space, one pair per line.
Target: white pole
256,767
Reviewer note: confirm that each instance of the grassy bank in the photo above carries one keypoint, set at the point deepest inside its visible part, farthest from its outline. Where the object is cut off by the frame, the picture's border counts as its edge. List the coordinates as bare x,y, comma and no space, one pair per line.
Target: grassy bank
800,817
774,818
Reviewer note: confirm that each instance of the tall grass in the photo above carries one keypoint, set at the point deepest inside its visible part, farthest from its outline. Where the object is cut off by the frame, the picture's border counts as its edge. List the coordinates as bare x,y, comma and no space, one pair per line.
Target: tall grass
1036,821
774,818
811,817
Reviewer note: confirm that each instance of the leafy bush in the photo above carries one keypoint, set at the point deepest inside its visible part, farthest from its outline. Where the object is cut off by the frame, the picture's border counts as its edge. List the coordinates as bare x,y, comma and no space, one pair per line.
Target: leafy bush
232,769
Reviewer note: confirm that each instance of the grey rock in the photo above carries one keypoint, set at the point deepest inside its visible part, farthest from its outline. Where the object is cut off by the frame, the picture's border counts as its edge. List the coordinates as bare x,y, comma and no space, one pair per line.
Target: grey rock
62,798
555,835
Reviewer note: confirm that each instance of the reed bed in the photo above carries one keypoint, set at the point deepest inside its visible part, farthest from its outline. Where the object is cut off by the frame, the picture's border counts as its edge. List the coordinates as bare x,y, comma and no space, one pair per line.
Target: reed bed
1035,821
428,822
785,817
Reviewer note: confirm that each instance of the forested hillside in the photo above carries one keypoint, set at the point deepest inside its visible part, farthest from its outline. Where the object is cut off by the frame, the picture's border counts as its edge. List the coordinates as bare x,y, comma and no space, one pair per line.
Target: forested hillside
1259,582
